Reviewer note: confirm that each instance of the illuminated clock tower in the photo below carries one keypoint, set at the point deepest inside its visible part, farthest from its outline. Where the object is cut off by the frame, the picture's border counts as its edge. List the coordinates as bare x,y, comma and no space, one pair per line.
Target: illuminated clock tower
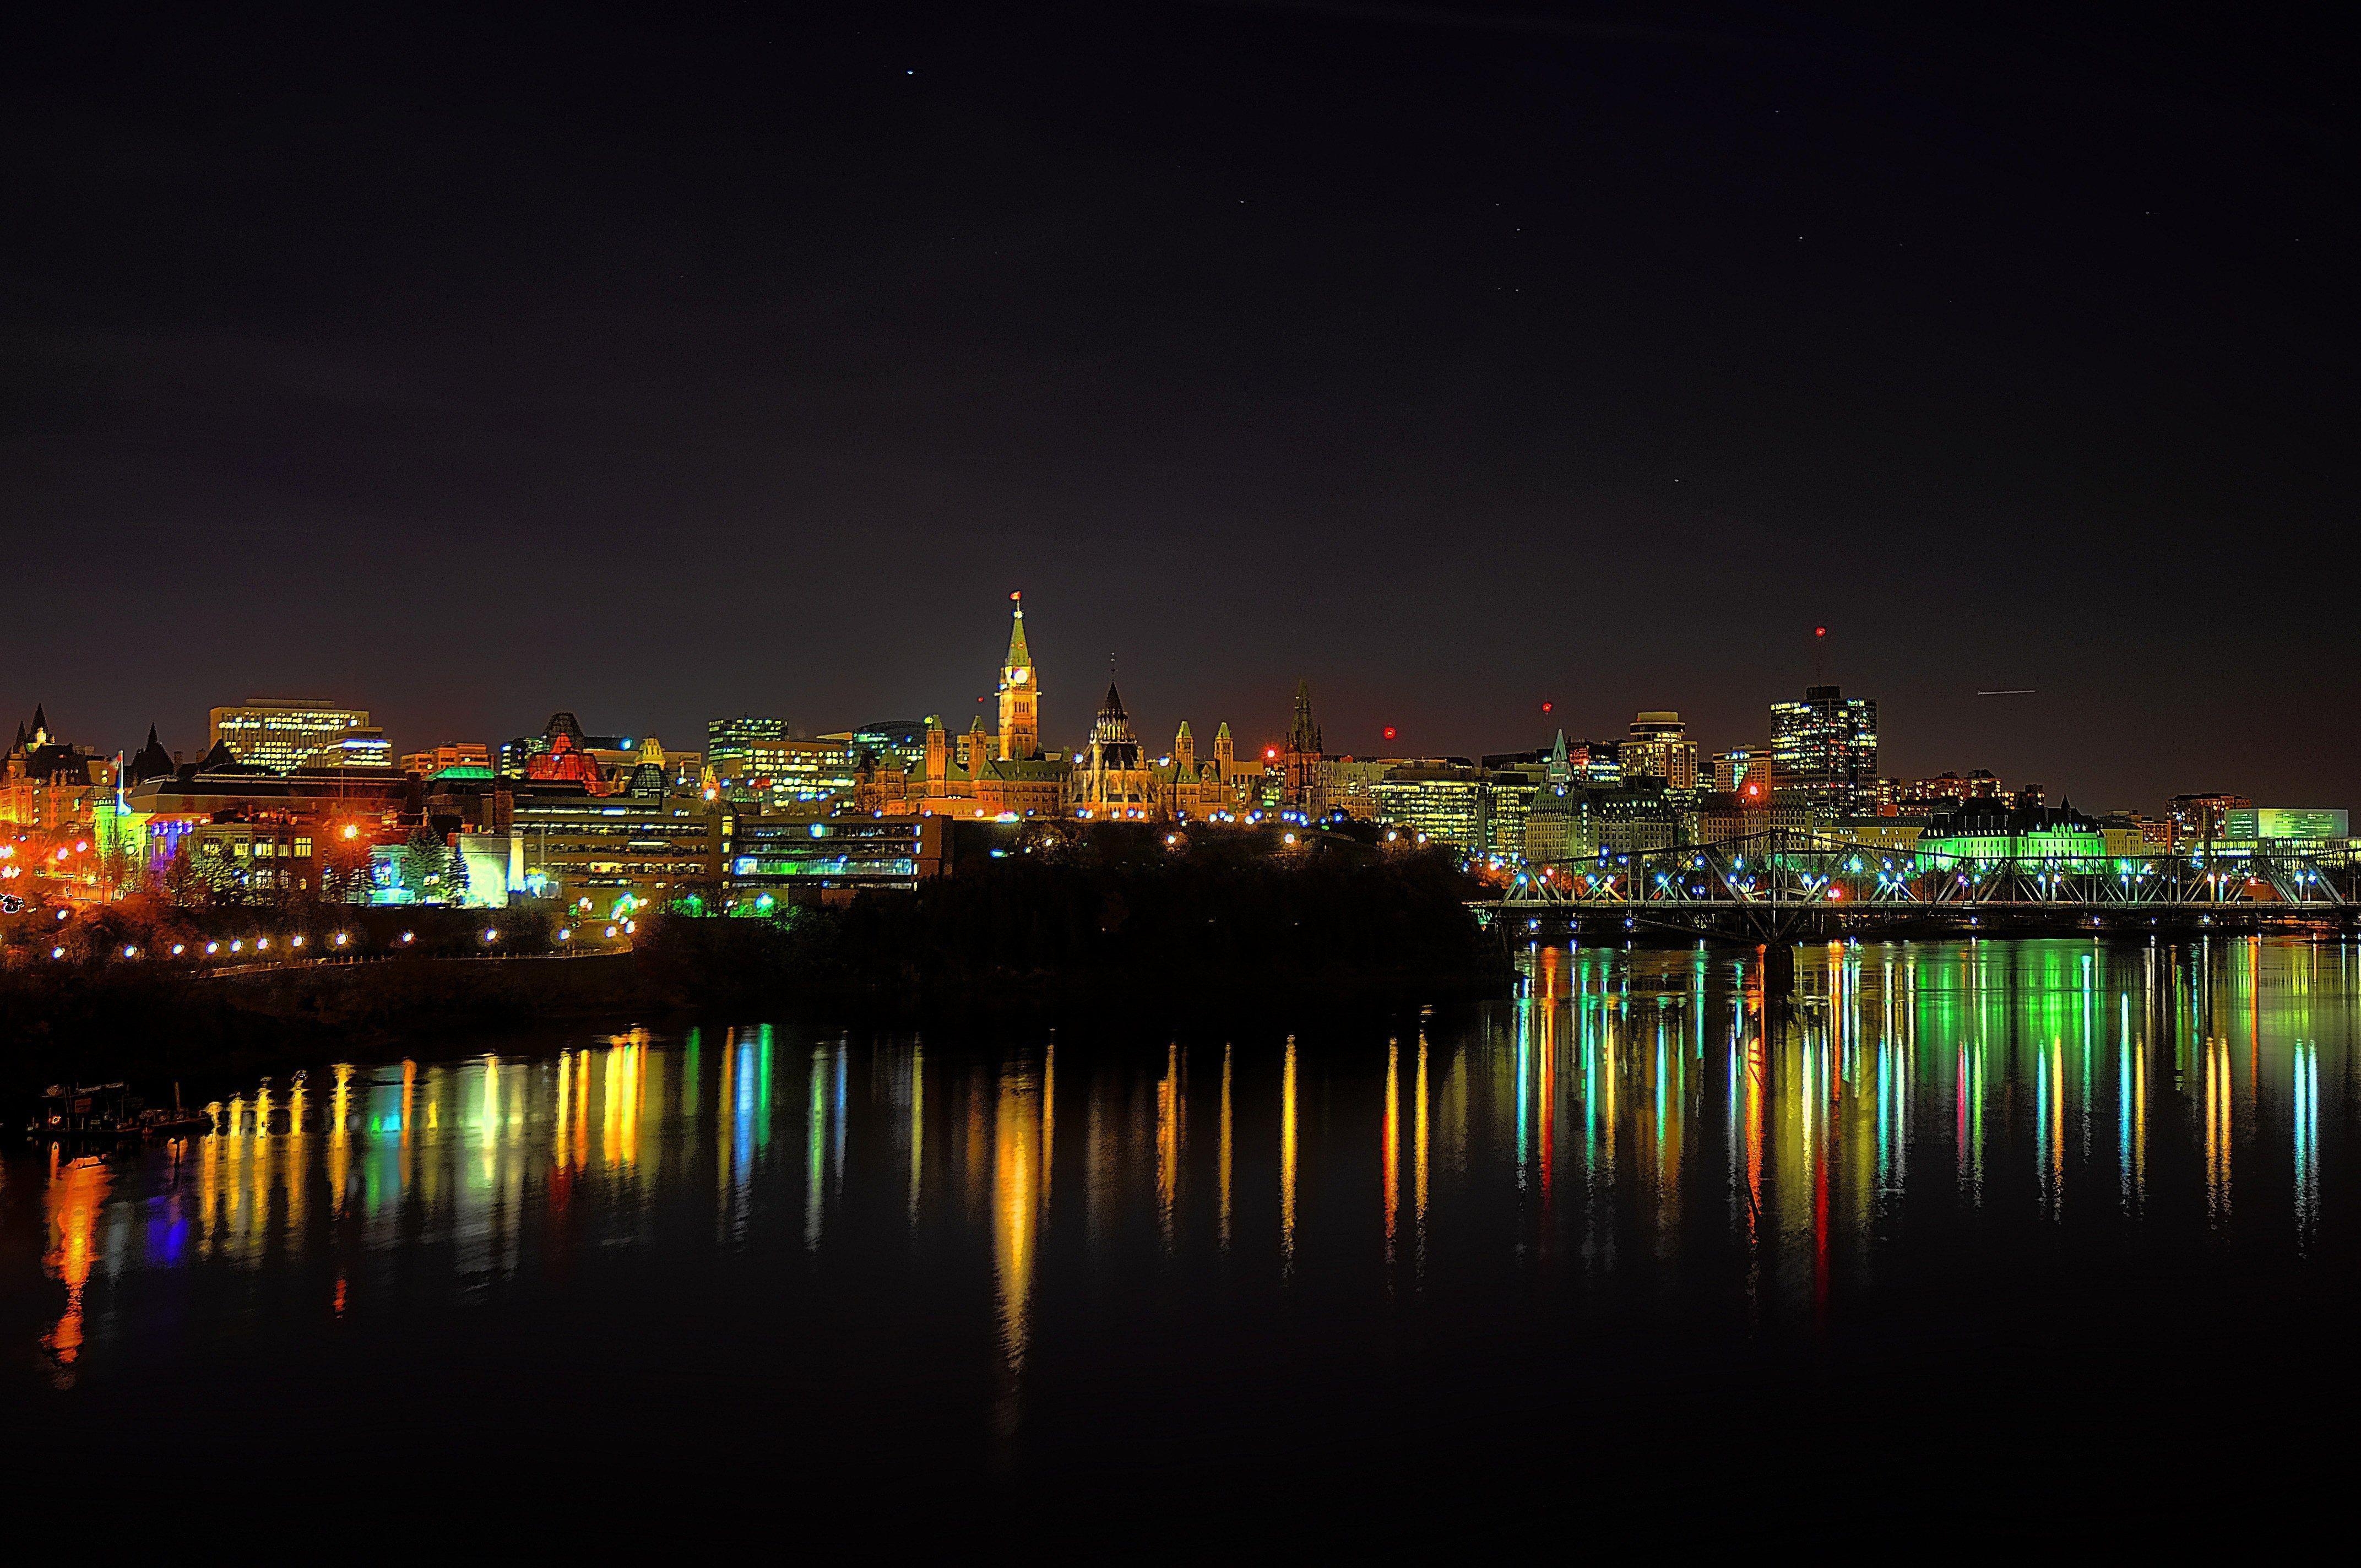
1020,697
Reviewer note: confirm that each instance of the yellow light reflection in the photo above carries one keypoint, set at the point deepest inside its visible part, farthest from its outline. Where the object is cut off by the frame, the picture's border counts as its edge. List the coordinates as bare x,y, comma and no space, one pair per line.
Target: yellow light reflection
74,1200
1287,1161
1015,1208
1170,1109
1390,1156
1226,1149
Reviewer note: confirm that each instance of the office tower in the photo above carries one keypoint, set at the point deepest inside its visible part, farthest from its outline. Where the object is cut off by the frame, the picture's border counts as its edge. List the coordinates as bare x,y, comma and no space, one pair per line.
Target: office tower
284,735
735,740
1659,747
1824,750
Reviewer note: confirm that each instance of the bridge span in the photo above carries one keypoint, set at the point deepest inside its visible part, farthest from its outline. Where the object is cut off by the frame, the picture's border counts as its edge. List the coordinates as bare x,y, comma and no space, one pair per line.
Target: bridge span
1782,885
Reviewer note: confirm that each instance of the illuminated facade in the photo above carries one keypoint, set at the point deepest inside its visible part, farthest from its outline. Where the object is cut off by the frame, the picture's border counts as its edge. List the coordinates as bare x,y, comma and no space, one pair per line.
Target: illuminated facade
776,862
967,781
1020,695
788,777
1824,750
1659,747
1111,779
1733,768
1448,803
47,785
1348,784
1557,825
1204,789
458,754
285,735
2196,819
191,805
728,740
609,857
1597,764
2278,824
1992,830
565,761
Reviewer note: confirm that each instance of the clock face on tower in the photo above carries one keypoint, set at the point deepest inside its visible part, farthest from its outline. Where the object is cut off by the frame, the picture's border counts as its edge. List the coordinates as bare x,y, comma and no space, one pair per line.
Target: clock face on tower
1017,678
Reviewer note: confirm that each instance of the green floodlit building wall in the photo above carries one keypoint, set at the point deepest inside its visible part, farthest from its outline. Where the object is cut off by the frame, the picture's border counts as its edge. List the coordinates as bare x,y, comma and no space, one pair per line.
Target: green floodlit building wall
2277,822
2068,846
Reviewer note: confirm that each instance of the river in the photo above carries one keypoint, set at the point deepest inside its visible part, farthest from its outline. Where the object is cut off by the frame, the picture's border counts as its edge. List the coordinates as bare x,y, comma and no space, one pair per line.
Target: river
1998,1205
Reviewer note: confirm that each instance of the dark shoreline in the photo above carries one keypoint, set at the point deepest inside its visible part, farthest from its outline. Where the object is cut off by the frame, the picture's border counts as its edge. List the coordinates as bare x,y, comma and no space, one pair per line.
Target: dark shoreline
213,1035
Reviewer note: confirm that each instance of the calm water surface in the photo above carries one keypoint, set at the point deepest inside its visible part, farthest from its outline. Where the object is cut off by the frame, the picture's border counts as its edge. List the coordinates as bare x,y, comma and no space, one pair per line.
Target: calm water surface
1965,1204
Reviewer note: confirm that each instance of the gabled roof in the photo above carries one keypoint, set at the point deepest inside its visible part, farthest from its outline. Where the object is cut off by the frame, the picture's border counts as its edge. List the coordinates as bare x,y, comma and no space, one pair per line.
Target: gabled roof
152,762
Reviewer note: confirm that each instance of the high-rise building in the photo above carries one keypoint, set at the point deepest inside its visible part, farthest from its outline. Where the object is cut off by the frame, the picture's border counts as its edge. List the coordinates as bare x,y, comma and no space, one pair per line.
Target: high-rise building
1824,750
727,740
1733,769
1659,747
1020,695
284,735
2197,818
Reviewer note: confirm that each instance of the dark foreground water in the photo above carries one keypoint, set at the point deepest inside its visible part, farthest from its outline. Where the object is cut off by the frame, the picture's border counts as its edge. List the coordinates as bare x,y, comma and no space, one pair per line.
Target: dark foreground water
2025,1241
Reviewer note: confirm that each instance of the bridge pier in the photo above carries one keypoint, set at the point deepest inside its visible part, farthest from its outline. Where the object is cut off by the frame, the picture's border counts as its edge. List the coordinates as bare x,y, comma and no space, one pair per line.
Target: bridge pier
1779,970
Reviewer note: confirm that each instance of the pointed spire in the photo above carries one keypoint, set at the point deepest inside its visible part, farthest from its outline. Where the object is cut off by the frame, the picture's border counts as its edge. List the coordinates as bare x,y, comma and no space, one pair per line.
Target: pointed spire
1184,727
40,723
1223,732
1558,753
1303,736
1019,656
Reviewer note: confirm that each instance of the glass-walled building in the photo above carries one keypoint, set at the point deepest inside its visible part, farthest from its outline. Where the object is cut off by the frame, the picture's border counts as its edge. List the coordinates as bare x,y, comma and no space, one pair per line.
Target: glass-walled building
1824,750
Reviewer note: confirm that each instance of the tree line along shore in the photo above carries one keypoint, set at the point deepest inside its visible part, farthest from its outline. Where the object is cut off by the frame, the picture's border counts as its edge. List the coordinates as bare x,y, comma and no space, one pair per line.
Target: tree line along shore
1146,932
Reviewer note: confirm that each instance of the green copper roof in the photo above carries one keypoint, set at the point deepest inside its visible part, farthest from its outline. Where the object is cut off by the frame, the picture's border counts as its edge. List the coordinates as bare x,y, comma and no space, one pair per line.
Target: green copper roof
1019,656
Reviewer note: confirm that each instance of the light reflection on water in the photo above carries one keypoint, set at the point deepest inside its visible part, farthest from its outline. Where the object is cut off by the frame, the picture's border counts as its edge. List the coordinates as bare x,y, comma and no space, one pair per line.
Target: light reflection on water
1627,1113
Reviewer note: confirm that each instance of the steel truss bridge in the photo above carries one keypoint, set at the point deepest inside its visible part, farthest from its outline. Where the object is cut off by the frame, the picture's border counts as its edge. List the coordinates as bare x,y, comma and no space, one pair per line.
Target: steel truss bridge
1784,885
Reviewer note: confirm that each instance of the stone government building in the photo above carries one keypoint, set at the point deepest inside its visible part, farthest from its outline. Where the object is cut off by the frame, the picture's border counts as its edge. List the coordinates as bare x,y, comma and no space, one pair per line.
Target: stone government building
1108,778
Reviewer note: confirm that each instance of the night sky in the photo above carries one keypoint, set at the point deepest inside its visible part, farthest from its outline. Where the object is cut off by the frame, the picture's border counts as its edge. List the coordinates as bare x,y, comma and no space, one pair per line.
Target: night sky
668,366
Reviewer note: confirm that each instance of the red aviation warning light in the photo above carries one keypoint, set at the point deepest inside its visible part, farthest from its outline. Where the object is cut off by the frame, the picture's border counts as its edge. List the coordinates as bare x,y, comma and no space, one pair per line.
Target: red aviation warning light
1390,731
1819,632
1549,707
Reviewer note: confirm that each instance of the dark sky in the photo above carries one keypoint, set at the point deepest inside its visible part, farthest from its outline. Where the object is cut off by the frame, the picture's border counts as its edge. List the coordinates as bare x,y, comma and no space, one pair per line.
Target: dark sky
668,364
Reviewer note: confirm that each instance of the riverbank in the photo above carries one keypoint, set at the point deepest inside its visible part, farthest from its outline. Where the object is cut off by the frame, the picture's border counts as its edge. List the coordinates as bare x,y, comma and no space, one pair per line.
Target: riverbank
154,1026
1138,936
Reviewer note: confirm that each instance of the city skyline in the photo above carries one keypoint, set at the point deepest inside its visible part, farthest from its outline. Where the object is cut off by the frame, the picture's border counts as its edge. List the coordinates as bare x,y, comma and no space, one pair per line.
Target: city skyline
1255,735
1552,717
1456,368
